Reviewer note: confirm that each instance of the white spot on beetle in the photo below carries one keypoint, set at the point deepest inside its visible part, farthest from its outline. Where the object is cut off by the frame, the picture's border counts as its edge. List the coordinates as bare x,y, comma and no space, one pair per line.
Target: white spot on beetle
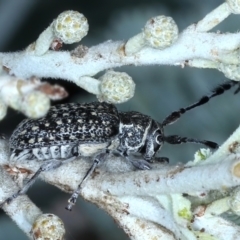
32,140
23,132
59,122
35,128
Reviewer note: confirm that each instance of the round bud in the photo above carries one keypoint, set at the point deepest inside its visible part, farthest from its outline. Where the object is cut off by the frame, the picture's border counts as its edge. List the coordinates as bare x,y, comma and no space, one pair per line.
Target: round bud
35,104
234,6
70,27
116,87
231,71
160,32
48,226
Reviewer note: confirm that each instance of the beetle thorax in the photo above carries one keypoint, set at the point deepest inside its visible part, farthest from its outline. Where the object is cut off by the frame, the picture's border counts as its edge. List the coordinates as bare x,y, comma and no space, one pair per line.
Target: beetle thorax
153,142
137,134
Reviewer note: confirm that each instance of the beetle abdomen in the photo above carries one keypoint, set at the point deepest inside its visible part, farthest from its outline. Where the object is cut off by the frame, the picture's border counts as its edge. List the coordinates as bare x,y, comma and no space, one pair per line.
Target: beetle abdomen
68,124
45,153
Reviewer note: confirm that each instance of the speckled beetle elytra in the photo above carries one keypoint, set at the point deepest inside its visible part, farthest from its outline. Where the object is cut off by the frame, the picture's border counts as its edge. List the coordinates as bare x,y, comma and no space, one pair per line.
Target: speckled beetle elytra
95,129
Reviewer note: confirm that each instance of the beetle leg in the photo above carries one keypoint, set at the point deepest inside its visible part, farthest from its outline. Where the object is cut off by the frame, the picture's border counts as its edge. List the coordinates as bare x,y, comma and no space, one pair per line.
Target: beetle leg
139,163
97,160
161,159
46,166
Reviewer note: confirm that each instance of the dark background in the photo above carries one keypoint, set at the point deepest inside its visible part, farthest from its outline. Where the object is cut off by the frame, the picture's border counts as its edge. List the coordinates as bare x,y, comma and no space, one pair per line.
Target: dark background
159,90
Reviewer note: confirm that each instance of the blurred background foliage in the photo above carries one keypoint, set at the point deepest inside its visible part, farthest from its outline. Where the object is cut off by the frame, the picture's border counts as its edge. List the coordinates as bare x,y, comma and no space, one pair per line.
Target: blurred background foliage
159,90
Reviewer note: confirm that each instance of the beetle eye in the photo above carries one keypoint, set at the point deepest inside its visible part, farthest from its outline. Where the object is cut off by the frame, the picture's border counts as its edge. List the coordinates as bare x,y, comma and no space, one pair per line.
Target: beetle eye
159,139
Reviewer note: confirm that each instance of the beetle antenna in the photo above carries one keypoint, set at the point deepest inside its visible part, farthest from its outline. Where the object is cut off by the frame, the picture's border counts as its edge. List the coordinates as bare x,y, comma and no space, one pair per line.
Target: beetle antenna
175,139
174,116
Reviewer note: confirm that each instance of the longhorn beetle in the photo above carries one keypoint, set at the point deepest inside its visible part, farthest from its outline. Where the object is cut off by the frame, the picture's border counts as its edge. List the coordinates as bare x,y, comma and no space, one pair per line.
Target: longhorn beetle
95,129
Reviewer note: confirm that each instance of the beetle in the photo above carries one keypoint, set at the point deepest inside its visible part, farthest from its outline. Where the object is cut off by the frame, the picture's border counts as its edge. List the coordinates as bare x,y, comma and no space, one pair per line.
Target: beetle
95,130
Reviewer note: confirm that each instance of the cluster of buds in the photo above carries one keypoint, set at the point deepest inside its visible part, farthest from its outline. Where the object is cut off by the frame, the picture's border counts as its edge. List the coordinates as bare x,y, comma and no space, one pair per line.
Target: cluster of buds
114,87
70,27
31,97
